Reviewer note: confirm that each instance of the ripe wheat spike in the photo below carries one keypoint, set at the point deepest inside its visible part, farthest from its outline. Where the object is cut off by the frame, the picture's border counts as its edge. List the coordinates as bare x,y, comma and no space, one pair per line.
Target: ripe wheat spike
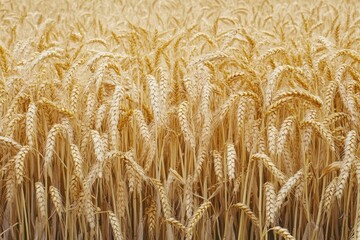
248,212
196,218
349,157
283,232
19,163
30,124
115,226
231,158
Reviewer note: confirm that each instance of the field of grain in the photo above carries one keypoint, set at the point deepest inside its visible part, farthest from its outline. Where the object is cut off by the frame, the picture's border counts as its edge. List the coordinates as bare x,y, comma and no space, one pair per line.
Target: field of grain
179,119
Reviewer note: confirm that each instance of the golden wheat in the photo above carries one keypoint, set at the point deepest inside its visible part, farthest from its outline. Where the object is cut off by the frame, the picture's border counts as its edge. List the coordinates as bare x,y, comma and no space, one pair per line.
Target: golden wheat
179,119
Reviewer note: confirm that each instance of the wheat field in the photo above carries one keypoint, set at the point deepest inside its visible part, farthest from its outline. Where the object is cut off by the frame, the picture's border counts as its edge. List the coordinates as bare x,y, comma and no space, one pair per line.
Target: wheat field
157,119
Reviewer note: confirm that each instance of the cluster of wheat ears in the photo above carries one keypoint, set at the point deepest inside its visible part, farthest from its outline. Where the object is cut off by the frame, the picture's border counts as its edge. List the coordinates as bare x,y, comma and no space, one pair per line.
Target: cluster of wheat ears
179,119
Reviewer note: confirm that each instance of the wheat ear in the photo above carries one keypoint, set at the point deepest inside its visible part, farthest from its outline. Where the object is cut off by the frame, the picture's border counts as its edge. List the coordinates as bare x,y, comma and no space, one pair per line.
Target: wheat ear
31,124
40,198
196,218
231,158
249,213
283,232
349,157
19,163
115,224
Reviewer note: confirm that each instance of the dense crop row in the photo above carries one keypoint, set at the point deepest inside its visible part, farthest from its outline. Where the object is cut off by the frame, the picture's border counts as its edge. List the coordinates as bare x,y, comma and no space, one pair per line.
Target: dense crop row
179,120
